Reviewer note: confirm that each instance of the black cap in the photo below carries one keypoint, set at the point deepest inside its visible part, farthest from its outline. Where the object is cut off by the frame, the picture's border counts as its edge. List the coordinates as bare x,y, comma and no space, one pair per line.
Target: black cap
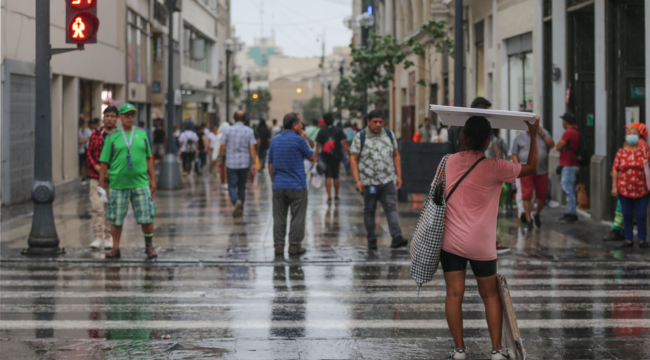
481,103
568,117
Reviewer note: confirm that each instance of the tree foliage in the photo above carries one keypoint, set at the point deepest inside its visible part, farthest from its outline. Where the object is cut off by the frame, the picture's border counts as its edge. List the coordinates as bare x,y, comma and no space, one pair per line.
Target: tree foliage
312,109
237,85
261,104
373,66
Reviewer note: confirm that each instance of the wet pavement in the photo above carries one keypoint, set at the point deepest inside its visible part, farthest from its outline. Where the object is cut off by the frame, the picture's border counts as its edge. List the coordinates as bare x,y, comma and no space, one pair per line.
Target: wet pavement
217,291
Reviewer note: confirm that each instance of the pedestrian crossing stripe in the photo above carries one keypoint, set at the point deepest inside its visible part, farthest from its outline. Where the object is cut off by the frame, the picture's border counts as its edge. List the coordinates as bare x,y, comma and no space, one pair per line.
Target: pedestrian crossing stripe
321,324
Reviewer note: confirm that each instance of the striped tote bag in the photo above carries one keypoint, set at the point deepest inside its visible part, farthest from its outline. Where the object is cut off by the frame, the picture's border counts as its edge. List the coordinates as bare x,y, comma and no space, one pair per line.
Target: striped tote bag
427,238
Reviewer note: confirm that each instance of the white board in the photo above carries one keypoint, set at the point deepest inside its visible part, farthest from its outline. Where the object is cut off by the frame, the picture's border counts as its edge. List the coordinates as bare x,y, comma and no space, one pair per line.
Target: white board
499,119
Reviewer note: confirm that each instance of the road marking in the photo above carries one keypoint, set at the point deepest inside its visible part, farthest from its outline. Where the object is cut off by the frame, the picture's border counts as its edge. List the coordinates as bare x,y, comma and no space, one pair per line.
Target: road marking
339,282
319,325
323,307
253,294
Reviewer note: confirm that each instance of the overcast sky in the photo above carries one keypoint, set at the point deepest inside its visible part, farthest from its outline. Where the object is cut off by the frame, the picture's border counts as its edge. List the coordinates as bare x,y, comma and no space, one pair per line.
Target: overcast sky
298,24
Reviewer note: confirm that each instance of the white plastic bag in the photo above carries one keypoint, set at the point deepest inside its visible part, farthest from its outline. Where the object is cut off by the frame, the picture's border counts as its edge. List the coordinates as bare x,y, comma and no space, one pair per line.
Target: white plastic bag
103,198
316,180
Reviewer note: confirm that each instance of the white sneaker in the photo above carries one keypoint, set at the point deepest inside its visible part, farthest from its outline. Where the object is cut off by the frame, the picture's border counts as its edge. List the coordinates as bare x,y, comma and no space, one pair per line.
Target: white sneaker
108,243
459,354
97,243
500,354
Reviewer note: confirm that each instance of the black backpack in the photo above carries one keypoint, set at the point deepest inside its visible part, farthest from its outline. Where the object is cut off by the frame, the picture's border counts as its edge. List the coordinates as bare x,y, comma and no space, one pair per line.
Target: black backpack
362,137
582,154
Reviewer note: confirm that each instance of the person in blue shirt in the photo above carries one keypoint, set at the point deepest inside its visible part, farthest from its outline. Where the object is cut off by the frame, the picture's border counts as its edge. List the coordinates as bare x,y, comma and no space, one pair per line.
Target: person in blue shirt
287,170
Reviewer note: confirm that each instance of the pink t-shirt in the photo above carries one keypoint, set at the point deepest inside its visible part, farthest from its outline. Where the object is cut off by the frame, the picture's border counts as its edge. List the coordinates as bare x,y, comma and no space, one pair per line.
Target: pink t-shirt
471,218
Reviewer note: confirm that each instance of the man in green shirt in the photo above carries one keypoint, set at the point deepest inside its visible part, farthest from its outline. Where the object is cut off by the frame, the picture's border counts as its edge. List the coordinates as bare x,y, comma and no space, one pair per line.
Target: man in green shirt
126,157
377,170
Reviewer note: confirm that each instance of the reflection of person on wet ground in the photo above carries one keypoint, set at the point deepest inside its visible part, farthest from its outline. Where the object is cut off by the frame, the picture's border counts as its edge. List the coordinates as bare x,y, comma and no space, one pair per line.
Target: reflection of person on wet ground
470,227
287,172
285,307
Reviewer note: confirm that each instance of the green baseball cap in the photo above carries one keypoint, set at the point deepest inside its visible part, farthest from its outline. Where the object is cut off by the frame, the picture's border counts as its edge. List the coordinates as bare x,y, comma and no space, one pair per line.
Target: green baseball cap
126,107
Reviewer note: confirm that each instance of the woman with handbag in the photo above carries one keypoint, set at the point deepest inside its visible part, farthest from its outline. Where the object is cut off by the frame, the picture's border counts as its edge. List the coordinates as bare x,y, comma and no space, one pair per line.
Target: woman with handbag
470,226
630,185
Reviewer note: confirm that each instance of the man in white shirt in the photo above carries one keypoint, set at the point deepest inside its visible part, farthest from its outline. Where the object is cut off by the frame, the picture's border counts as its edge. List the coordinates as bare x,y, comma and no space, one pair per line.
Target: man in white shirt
189,146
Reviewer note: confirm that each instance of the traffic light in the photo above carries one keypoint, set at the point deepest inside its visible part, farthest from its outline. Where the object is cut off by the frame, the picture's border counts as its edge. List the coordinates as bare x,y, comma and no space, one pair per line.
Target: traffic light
82,22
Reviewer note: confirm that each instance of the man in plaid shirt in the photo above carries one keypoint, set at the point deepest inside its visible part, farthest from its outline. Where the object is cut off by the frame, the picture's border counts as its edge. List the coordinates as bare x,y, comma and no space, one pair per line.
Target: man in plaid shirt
101,225
240,145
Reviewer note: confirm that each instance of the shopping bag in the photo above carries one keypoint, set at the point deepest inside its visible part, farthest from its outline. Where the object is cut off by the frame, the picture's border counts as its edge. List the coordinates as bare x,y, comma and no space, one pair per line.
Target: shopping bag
511,337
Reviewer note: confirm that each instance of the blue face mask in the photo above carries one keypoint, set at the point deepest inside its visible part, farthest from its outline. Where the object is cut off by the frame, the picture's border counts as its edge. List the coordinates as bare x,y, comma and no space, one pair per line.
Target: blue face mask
632,139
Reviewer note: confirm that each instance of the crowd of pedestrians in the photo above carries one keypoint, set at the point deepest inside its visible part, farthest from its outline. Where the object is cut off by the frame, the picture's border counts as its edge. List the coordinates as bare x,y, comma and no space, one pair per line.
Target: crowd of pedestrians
120,159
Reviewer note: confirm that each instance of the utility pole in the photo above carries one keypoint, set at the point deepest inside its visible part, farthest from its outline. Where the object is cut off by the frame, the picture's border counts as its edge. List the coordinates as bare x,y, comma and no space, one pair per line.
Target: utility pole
228,53
248,95
170,174
43,238
322,75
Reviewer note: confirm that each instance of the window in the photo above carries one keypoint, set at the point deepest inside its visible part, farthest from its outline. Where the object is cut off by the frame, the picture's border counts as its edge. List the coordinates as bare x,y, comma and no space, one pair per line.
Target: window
139,48
520,82
197,50
519,50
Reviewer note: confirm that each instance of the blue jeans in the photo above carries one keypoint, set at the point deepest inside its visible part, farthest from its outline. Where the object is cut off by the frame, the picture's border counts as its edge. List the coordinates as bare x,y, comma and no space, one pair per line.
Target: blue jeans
569,174
635,208
237,184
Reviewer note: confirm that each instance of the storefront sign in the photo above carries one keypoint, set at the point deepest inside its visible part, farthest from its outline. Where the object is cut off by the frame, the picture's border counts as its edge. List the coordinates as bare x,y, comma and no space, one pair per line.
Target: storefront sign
632,114
638,92
155,87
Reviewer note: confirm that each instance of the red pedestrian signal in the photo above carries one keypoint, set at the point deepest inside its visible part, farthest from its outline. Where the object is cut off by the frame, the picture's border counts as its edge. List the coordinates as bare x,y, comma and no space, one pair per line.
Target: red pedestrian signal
81,16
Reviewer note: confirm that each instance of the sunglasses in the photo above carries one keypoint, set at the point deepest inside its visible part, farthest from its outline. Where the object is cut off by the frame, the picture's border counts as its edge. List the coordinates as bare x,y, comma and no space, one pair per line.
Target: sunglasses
129,115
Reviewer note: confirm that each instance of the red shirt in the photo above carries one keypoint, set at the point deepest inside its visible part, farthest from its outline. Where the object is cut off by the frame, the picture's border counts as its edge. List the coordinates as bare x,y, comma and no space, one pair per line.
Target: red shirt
631,175
95,146
569,157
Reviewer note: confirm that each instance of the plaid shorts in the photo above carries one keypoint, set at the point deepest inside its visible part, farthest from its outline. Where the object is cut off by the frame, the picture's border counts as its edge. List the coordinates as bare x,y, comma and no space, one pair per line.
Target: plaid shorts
143,205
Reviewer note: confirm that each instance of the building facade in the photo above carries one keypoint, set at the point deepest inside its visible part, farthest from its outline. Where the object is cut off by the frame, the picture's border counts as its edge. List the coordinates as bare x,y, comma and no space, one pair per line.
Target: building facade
128,64
587,57
200,61
82,84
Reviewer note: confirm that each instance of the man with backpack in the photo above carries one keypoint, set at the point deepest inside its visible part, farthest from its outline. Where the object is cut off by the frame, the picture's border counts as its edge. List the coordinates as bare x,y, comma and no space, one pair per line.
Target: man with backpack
570,155
377,171
330,144
188,140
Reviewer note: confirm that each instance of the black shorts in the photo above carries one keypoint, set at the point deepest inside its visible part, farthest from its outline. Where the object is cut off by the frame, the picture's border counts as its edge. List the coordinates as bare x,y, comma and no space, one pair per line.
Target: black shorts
82,161
333,169
451,262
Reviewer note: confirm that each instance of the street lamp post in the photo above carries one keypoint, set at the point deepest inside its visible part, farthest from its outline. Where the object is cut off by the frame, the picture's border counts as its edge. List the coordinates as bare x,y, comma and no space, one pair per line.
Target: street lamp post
231,47
170,174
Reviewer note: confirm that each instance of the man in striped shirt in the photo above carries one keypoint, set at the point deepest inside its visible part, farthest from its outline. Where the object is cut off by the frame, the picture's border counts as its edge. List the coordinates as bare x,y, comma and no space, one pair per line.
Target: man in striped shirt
287,171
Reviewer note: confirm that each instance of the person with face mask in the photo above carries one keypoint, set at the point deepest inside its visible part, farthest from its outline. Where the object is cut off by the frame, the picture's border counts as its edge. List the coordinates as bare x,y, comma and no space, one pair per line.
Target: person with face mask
629,185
